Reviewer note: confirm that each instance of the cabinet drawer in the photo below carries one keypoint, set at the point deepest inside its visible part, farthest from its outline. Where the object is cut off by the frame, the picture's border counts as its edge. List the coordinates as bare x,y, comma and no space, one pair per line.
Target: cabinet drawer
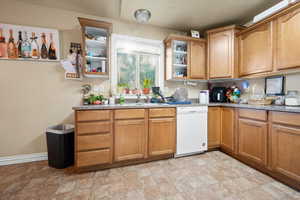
130,114
253,114
286,118
93,127
162,112
93,115
90,158
88,142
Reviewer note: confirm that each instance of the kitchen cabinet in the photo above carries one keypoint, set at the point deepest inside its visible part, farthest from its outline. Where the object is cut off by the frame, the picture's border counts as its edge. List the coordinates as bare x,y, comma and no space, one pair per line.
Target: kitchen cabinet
285,145
256,50
214,127
130,131
162,131
185,58
288,40
228,129
252,136
96,47
162,136
93,138
222,52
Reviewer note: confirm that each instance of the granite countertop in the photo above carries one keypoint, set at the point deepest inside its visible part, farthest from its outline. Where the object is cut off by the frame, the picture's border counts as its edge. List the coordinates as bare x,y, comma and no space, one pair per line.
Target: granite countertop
156,105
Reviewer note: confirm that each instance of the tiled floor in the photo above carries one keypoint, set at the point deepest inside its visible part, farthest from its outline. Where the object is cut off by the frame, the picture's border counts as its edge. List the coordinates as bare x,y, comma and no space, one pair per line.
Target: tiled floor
210,176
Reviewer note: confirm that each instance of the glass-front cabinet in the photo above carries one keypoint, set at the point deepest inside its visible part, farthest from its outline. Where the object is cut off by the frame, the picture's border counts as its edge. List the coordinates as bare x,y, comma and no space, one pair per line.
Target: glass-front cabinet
185,58
96,47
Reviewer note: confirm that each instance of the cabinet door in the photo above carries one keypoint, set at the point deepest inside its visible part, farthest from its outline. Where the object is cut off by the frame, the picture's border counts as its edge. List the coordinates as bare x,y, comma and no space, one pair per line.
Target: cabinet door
288,40
197,60
214,127
227,129
285,148
169,57
221,54
130,139
252,140
162,134
256,48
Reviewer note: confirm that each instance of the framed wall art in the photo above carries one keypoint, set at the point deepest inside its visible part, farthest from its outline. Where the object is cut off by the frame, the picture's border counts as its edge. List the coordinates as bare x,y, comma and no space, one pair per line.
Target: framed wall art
28,43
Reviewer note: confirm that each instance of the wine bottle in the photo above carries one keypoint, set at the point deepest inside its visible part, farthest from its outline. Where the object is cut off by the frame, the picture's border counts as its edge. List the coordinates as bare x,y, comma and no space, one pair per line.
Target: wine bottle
11,46
52,51
34,47
3,50
19,45
26,47
44,51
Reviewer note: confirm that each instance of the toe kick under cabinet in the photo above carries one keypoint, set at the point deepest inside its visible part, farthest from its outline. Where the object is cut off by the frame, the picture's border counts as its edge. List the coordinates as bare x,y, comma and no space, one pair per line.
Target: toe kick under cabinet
108,138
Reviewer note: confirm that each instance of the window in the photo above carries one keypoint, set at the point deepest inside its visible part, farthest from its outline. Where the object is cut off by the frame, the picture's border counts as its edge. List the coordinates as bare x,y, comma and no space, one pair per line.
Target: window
135,67
134,60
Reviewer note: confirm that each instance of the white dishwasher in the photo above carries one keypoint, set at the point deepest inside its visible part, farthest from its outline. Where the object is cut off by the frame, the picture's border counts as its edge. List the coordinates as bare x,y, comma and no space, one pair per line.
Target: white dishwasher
191,130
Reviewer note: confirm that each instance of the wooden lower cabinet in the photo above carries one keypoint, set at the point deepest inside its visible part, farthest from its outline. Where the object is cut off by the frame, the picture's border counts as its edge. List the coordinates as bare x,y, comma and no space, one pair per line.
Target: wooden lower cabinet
252,140
228,129
214,127
285,151
130,139
162,136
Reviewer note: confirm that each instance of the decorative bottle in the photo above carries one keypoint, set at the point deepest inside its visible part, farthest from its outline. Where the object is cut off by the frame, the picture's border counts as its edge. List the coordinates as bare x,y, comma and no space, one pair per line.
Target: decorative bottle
34,47
52,51
3,50
11,46
26,47
19,45
44,51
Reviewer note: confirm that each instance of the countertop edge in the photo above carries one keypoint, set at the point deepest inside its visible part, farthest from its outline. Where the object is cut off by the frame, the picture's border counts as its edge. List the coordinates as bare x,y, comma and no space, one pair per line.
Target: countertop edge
134,106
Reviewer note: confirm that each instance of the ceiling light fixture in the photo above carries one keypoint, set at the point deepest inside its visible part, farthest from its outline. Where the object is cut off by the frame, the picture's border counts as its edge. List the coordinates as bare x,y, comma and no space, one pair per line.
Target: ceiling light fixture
142,15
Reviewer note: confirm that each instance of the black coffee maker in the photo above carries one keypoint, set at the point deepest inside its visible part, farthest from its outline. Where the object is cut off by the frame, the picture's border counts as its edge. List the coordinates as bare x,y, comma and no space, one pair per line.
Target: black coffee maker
218,95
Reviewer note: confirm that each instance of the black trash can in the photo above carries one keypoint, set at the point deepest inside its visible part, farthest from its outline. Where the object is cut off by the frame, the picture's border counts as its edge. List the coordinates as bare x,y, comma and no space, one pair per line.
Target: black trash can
60,145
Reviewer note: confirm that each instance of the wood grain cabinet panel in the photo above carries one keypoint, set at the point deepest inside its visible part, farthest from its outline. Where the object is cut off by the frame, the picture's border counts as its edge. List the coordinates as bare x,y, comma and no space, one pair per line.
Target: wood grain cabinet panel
93,127
256,50
90,142
288,40
91,158
285,148
130,139
162,112
93,115
214,127
197,60
228,129
162,136
252,140
130,114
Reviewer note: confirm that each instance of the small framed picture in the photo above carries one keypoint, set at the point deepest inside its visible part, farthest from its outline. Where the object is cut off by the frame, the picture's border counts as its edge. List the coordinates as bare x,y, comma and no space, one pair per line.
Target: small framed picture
274,86
195,34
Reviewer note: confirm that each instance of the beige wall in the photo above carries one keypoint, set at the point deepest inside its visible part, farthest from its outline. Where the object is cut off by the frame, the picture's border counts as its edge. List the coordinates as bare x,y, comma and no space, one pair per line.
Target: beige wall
35,95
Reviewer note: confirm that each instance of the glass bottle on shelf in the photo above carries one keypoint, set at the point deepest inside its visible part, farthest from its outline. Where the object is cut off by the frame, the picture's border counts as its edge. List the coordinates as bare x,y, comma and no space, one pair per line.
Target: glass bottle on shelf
3,50
44,51
11,46
19,45
26,47
34,47
52,50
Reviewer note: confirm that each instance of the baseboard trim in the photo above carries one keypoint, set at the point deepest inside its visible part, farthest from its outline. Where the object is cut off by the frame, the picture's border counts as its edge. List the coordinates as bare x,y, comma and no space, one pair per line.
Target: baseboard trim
10,160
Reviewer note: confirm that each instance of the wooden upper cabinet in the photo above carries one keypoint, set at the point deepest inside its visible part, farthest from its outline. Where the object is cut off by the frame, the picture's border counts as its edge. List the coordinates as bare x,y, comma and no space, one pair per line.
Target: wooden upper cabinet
228,129
130,139
288,40
185,58
222,52
162,136
252,140
214,127
256,50
197,60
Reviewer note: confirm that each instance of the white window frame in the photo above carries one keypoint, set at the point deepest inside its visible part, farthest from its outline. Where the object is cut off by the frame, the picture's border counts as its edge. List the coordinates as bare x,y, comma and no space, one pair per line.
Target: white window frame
136,44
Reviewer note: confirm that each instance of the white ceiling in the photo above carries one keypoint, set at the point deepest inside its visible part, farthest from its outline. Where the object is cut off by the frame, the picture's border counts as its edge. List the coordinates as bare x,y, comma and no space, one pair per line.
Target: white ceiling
175,14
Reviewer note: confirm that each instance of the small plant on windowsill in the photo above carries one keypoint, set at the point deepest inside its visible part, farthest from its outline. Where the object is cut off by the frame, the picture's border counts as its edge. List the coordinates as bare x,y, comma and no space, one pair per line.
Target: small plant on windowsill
146,85
123,88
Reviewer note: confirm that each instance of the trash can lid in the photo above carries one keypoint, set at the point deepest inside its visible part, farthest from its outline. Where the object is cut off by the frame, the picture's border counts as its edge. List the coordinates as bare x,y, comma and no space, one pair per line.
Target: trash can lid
61,129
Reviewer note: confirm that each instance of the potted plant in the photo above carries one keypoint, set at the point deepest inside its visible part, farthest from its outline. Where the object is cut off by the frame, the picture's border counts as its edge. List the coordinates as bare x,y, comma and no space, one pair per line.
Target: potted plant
146,85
